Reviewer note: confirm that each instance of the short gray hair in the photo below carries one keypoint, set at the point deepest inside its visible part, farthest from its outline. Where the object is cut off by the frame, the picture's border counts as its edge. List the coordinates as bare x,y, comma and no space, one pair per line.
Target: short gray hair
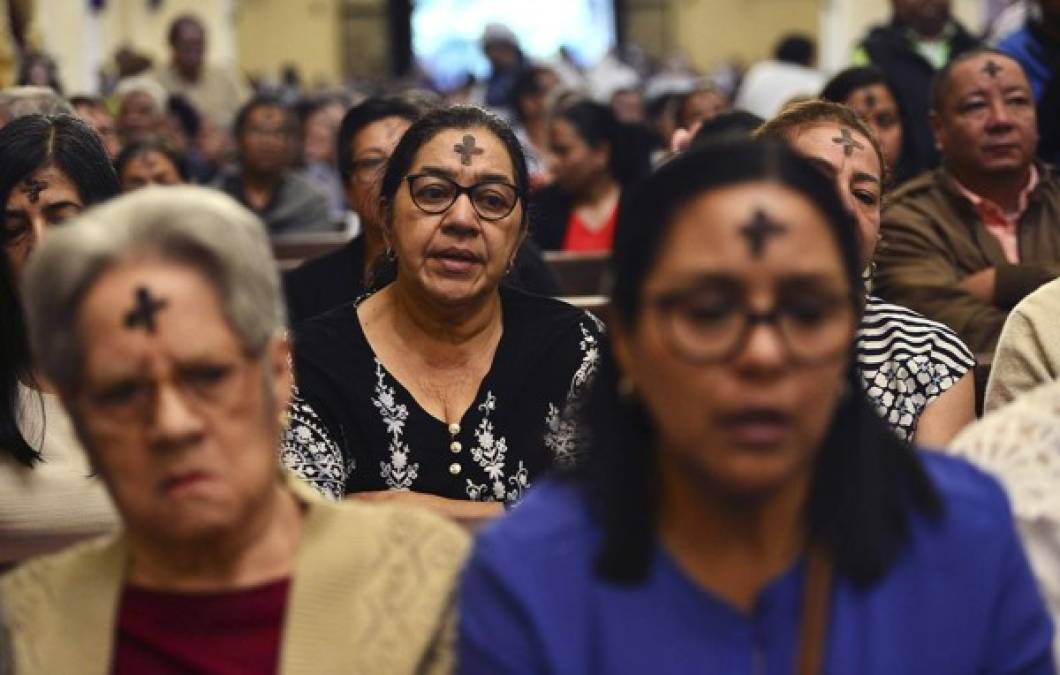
198,227
18,102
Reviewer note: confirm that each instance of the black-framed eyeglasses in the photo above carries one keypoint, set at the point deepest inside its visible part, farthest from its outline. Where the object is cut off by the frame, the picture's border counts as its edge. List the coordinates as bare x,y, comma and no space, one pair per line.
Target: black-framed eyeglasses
815,328
434,194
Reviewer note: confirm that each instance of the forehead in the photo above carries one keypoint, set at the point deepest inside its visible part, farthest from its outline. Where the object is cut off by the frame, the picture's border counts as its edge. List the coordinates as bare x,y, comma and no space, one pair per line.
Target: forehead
445,150
825,141
268,114
151,159
713,234
383,134
974,74
879,92
50,184
188,316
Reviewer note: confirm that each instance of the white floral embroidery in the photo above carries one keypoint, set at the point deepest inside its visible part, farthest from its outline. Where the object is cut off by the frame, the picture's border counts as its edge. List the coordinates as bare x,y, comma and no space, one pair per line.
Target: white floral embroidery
490,453
309,452
397,473
561,428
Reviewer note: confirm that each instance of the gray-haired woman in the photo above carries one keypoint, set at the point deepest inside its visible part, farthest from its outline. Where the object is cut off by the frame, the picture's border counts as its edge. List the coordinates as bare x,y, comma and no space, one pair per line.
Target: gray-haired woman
160,321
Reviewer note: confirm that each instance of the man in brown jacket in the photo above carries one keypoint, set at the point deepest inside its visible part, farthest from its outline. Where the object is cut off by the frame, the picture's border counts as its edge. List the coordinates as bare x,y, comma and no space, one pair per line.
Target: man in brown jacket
964,243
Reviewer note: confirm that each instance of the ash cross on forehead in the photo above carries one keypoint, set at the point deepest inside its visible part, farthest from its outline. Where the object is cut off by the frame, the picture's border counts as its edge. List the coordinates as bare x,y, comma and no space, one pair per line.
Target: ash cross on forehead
466,149
32,187
759,231
870,100
848,142
143,311
991,68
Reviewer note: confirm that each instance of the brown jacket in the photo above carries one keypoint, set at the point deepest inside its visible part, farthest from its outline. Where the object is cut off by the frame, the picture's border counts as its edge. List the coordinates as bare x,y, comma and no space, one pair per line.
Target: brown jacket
933,238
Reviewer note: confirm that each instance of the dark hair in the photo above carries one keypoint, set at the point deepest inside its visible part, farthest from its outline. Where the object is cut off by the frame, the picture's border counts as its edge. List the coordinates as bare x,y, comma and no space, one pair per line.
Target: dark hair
180,22
798,49
628,143
866,481
28,144
86,101
527,84
940,83
139,148
261,101
455,117
186,114
367,112
730,126
846,82
31,60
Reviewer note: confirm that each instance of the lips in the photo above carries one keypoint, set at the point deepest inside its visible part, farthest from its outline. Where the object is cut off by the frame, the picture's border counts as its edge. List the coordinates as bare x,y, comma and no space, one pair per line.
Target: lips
181,482
456,260
757,427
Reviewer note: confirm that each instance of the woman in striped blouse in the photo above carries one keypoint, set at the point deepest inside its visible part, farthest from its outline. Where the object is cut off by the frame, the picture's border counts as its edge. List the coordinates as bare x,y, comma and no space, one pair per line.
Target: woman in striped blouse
917,372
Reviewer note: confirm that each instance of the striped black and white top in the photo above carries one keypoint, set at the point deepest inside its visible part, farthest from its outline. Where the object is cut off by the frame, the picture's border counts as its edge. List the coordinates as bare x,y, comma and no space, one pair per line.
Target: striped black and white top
906,362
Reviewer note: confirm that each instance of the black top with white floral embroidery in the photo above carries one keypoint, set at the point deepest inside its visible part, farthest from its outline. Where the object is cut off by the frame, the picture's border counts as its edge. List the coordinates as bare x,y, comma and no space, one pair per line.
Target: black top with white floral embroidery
354,427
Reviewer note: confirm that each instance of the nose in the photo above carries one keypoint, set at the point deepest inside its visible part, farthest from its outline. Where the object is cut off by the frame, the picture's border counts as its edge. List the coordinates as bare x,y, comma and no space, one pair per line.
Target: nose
175,424
461,220
1000,117
764,352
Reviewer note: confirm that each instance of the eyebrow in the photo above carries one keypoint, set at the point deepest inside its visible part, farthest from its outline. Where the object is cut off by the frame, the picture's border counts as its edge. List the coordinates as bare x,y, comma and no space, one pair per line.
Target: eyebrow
482,176
705,281
862,177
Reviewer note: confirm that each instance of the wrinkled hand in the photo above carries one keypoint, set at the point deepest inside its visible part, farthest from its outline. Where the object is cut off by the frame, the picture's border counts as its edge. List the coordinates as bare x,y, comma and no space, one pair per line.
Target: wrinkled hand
467,513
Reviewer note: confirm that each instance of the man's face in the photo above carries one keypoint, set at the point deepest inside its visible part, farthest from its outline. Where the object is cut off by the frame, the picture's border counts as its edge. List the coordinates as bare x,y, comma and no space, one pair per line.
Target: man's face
267,141
987,124
189,50
138,117
927,17
179,419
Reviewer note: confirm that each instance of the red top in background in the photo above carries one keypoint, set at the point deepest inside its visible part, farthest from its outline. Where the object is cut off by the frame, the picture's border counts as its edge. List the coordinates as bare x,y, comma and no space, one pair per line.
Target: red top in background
580,238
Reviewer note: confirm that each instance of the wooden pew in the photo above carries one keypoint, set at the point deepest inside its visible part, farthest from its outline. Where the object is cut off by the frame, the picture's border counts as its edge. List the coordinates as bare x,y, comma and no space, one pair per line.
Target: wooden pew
579,274
292,250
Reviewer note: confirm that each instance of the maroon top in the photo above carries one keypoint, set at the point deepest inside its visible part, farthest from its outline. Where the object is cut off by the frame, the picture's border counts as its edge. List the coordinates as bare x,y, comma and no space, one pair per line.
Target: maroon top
211,633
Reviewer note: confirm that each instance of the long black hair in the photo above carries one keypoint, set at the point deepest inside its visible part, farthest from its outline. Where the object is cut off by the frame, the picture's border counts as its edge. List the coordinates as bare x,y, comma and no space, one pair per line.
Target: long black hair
27,145
629,144
866,481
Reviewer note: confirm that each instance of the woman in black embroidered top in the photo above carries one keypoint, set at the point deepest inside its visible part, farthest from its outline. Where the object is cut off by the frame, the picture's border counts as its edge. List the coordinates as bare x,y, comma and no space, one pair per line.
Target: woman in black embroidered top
443,388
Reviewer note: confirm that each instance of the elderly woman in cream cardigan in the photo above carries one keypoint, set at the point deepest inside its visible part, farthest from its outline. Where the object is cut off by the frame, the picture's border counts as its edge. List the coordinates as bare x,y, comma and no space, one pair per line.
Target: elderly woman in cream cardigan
158,318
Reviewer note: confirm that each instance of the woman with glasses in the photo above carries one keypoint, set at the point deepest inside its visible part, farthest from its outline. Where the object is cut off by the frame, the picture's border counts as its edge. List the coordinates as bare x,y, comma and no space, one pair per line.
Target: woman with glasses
367,137
159,320
444,388
917,372
741,508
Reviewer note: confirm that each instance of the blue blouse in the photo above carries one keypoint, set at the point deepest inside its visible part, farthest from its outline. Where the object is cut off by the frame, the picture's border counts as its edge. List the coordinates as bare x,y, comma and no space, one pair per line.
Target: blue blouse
960,599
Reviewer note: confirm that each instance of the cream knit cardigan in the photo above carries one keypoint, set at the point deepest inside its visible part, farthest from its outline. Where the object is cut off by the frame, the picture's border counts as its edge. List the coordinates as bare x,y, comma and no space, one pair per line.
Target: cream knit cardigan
372,592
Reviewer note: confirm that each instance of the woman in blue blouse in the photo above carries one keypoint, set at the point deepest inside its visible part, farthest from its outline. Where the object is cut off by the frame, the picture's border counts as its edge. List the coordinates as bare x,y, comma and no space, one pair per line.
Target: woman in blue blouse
744,509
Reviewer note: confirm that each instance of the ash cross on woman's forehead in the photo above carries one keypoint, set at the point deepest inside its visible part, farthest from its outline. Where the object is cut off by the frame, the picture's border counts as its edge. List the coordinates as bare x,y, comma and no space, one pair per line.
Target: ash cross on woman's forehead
143,311
759,231
847,141
32,187
467,149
